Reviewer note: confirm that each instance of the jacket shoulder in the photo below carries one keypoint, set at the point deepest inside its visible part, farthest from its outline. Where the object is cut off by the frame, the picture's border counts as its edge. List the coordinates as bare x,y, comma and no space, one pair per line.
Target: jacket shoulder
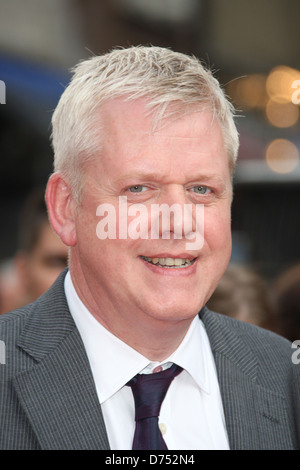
249,332
35,327
243,341
11,325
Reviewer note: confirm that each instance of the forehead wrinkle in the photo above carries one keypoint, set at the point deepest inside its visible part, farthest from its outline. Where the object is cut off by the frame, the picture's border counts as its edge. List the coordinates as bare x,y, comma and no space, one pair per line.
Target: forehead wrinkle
151,176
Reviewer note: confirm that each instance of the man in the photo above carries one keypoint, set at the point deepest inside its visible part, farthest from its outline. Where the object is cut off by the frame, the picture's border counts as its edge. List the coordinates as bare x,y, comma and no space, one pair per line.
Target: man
138,131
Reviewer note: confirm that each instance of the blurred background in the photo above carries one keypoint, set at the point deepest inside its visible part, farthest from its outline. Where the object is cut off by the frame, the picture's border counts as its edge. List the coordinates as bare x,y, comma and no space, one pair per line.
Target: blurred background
253,48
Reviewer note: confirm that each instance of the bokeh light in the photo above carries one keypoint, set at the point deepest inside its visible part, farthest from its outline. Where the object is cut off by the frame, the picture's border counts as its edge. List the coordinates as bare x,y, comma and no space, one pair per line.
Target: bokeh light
270,94
249,92
279,83
282,156
282,114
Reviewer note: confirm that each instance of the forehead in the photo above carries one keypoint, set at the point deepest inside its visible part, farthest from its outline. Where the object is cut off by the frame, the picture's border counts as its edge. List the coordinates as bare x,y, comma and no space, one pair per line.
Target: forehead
129,139
155,117
122,119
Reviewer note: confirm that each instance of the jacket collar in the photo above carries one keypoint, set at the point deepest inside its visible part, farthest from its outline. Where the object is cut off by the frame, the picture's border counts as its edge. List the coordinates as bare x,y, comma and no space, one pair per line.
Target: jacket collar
49,322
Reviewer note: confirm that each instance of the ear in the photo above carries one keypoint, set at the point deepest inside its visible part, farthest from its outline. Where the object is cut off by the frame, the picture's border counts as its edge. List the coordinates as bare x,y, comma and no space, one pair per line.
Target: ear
61,208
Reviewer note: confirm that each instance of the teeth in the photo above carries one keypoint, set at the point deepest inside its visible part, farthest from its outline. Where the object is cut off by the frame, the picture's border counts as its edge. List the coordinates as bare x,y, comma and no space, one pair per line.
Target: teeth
169,262
179,261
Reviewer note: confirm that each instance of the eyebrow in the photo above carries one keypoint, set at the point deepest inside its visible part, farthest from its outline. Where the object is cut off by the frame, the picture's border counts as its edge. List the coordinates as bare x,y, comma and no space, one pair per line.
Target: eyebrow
138,175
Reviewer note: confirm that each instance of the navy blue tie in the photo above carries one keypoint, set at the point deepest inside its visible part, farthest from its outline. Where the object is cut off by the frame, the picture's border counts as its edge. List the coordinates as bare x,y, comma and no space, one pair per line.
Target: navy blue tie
149,390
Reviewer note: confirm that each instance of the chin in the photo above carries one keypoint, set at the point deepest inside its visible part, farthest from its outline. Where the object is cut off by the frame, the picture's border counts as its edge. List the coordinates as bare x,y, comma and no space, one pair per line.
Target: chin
174,311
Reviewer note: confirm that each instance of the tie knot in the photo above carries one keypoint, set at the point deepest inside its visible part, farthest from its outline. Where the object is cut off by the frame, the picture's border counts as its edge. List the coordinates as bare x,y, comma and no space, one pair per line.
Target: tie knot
149,391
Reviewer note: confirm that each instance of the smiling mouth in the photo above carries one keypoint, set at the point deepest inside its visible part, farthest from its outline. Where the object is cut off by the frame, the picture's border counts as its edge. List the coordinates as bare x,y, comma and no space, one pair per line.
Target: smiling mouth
170,262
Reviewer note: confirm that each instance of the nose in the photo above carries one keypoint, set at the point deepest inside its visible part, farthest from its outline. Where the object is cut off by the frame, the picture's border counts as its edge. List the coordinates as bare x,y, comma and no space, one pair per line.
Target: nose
172,215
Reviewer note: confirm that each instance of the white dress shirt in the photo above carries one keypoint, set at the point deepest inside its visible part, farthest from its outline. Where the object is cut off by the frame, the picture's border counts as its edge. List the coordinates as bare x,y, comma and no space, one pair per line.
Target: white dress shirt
191,416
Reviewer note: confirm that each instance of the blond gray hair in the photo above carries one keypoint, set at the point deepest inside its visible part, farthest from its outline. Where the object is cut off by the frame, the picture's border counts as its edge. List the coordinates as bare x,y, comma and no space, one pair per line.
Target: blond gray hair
172,82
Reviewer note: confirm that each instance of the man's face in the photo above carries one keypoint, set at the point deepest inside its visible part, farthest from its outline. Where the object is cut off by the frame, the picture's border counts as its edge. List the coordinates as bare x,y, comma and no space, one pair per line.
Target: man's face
184,162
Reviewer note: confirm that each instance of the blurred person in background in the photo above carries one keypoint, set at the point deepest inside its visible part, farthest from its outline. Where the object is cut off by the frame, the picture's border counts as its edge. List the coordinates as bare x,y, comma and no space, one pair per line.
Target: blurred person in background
11,290
244,294
39,260
286,290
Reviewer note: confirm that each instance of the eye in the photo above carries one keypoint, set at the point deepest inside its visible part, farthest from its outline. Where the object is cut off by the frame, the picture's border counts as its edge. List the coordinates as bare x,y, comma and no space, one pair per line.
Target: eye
137,188
200,189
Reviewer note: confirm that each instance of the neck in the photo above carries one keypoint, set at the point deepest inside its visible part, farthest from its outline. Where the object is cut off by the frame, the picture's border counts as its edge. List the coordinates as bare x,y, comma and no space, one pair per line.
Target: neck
155,341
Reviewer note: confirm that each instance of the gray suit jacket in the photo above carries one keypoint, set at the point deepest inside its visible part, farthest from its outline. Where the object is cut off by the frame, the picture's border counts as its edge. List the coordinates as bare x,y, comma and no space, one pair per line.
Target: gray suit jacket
48,398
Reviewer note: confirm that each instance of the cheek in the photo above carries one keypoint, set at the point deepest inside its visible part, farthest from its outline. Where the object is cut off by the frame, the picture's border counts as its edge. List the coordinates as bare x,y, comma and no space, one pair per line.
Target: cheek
217,229
107,258
87,242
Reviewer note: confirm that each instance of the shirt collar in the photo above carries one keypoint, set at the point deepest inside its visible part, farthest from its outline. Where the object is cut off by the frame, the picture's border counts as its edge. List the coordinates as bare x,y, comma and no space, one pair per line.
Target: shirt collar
192,353
118,361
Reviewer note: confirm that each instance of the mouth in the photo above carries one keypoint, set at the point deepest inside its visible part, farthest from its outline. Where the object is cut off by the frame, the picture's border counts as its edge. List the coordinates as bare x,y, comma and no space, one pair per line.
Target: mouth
170,263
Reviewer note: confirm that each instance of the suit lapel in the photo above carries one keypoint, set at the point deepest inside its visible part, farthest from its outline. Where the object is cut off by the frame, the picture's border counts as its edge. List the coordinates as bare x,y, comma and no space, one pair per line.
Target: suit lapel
250,409
58,393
